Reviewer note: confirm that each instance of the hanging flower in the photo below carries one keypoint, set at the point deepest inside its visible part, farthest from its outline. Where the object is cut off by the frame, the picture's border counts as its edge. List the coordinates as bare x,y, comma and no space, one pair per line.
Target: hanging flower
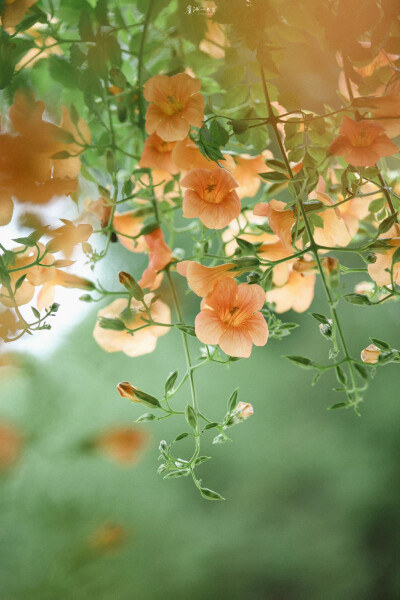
14,11
175,105
362,143
28,171
160,255
211,196
144,340
297,293
68,236
229,317
127,225
379,270
158,154
389,106
202,279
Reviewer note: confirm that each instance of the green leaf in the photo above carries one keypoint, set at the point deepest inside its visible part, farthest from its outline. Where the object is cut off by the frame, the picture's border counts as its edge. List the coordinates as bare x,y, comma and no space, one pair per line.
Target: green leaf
190,416
376,205
147,399
208,146
341,375
35,311
233,400
239,126
321,318
274,176
210,494
396,256
177,473
146,417
387,223
31,239
277,165
211,426
149,228
381,345
361,370
20,281
181,436
339,405
301,361
201,459
218,133
171,379
359,299
247,246
186,329
112,324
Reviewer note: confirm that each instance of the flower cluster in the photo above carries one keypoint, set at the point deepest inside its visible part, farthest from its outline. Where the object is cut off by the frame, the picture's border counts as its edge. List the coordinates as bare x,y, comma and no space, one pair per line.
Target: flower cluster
215,183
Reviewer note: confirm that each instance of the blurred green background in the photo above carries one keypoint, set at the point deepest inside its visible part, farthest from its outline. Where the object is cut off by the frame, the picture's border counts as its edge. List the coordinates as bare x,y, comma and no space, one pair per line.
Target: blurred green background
312,509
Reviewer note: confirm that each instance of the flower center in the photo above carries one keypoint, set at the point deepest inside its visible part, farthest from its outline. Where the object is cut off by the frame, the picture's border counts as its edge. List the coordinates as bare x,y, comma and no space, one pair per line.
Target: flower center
164,147
364,138
174,106
210,194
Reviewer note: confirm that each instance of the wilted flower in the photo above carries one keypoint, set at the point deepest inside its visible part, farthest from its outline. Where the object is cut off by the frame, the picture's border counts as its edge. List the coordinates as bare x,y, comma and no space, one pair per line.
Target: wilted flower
364,287
244,410
126,390
370,354
160,255
229,317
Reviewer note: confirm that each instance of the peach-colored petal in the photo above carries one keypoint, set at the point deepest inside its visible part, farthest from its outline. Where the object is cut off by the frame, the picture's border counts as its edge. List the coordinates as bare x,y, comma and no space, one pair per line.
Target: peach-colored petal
202,279
209,327
236,342
258,329
250,297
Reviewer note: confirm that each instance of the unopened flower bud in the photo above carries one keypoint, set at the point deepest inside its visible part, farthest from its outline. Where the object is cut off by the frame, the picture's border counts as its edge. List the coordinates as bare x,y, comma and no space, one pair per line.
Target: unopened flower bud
131,285
370,354
253,277
244,410
126,390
